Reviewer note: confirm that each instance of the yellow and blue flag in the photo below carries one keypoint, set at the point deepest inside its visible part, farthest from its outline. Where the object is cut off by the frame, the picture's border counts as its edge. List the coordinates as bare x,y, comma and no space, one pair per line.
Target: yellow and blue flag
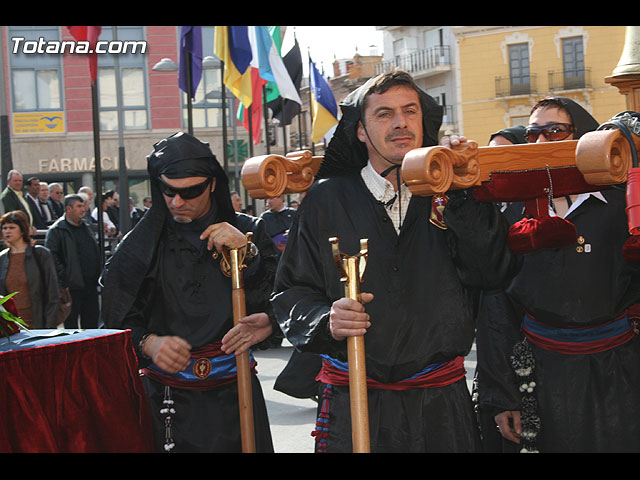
323,104
233,48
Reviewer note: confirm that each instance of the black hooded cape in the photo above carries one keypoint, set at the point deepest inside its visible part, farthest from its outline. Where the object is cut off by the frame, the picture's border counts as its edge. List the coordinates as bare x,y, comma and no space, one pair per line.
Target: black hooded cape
162,280
586,403
424,280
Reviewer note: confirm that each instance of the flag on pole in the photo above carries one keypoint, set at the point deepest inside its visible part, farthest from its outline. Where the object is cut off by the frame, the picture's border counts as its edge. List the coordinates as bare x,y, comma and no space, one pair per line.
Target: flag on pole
257,83
323,104
190,43
271,65
88,34
232,47
285,111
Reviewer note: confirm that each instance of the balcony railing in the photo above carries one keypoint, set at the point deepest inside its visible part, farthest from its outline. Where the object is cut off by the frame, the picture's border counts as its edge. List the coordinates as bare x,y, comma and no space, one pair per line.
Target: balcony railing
511,86
420,62
569,79
448,115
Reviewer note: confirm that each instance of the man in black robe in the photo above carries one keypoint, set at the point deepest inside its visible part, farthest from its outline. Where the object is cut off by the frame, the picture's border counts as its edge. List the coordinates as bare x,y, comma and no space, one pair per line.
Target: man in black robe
571,385
418,295
166,286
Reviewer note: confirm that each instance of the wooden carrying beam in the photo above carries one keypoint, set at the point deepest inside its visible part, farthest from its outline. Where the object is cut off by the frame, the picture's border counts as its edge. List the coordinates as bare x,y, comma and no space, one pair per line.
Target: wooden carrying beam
602,157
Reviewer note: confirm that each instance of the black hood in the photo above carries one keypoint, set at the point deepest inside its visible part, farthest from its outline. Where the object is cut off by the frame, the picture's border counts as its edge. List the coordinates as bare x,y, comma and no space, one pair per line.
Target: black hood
582,120
514,134
182,155
346,154
178,156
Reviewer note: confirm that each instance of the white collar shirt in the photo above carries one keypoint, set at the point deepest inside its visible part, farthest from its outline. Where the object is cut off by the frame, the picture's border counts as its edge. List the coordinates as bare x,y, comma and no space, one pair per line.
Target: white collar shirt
383,191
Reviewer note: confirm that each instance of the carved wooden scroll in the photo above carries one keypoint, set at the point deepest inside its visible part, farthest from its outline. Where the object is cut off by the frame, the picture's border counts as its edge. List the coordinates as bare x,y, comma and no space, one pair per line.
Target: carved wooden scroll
602,157
269,176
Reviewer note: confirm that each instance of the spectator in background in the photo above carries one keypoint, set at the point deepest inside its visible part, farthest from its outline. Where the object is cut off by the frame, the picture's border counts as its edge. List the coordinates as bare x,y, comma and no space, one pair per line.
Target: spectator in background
29,270
56,195
88,202
37,216
107,201
113,210
43,198
78,264
135,213
146,202
236,201
278,219
12,196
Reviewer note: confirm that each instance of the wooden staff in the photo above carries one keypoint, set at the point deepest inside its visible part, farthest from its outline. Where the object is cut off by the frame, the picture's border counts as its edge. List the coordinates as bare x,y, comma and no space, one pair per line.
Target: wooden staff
232,264
351,269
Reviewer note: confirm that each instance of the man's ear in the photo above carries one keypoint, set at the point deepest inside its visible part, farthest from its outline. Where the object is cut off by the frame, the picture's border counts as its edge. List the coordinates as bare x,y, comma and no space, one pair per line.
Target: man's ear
213,184
362,136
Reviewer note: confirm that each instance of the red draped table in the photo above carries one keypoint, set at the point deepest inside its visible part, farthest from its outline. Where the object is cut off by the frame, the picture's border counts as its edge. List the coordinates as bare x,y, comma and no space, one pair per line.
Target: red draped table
72,391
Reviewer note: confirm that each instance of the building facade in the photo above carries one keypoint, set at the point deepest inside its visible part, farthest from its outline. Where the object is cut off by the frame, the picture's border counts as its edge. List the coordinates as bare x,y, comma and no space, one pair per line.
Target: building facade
502,71
48,104
428,53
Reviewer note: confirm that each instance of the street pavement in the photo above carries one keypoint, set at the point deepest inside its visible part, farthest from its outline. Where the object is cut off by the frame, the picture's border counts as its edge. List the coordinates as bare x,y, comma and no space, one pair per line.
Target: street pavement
292,419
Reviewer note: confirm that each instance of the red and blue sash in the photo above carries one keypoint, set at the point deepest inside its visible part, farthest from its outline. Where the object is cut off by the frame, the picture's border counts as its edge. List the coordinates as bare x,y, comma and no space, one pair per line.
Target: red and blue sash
334,372
578,340
208,368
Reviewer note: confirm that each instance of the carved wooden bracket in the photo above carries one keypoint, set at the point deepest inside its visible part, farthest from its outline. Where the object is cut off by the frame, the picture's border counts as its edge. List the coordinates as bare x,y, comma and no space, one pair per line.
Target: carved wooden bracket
269,176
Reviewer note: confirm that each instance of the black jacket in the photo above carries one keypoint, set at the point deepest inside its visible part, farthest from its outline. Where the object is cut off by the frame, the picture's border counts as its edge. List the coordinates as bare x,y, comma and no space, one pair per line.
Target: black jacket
60,242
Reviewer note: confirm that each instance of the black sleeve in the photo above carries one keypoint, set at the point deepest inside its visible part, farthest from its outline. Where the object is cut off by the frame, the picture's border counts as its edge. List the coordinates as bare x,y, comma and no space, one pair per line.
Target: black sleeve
498,331
303,292
477,238
259,276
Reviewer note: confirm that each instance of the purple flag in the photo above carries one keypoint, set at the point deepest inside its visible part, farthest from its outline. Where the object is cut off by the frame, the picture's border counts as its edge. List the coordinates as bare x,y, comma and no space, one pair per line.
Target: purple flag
190,42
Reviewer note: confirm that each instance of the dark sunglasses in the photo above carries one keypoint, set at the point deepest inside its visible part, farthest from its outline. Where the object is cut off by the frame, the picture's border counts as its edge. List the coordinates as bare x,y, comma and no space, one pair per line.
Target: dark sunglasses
186,193
552,132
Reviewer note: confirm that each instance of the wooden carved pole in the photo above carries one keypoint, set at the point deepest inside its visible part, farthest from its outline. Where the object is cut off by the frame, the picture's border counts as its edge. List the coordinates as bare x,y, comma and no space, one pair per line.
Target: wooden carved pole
232,264
351,269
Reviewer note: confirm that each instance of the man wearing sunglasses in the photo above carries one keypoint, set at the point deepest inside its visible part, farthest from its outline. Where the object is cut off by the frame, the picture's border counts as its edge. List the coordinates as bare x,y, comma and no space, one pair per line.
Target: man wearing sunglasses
572,304
165,284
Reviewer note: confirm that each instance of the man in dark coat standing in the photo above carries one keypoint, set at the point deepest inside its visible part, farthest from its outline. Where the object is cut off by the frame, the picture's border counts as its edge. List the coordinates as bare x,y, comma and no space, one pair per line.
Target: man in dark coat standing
165,284
417,303
78,264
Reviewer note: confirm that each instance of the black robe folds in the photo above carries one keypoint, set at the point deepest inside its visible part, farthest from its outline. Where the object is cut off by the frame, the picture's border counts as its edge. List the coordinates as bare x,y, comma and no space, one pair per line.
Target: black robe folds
585,402
183,292
424,281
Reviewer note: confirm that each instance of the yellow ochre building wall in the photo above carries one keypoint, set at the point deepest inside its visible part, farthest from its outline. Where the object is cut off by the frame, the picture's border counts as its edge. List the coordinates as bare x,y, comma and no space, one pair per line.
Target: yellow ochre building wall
482,54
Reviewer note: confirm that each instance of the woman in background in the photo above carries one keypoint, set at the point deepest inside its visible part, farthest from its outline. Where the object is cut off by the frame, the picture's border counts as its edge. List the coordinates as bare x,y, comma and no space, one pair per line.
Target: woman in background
29,270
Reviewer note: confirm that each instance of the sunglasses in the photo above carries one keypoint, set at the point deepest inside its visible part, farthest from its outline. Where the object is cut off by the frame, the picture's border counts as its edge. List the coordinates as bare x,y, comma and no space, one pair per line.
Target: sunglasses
186,193
552,132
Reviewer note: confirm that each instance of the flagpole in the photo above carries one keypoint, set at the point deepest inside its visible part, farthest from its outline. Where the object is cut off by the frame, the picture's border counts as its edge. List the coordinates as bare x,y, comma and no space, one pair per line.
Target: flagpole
124,214
250,113
5,139
266,117
300,130
223,96
284,124
313,145
189,95
97,167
